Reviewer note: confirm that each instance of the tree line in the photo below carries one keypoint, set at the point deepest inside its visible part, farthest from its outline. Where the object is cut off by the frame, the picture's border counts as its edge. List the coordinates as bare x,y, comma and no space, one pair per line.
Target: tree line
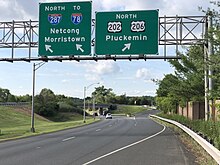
187,82
48,104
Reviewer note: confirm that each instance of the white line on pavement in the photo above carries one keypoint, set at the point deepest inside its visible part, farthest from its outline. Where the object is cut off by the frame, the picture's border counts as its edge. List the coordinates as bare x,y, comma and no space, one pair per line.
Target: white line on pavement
68,139
125,147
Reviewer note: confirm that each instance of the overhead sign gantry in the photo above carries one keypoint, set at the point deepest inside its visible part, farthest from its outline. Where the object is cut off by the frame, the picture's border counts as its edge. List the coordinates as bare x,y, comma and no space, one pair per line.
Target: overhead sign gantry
65,29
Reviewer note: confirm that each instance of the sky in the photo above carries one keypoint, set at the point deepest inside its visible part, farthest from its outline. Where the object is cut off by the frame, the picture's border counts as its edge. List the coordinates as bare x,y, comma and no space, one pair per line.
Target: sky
133,78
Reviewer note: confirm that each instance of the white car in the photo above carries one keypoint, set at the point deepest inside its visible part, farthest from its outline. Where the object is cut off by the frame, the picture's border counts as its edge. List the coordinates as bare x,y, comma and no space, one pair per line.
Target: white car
108,116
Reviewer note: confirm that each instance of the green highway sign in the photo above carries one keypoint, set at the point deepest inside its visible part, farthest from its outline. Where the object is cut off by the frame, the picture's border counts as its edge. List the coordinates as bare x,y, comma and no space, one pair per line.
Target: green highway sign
65,29
126,32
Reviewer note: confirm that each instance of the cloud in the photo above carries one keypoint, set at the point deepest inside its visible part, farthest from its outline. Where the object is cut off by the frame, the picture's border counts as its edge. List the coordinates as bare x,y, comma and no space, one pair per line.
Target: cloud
93,77
146,75
96,70
26,10
146,92
142,73
166,7
18,10
64,81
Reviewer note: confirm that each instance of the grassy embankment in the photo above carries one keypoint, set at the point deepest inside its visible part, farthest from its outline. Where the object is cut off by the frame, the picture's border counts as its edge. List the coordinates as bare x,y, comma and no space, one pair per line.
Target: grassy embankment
16,122
129,109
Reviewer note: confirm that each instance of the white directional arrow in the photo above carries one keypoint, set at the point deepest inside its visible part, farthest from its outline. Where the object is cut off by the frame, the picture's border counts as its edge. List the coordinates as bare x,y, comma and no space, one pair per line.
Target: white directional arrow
79,47
48,47
127,46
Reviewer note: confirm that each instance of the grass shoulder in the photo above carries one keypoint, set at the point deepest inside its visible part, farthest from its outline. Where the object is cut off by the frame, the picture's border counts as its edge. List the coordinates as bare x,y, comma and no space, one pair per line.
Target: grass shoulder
16,123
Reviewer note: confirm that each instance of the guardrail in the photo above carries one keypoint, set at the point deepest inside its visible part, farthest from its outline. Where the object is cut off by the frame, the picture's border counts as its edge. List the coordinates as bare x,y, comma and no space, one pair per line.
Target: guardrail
14,103
214,152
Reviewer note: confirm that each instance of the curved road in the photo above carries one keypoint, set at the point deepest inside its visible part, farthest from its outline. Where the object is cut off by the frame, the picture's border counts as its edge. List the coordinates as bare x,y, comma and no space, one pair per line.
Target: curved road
117,141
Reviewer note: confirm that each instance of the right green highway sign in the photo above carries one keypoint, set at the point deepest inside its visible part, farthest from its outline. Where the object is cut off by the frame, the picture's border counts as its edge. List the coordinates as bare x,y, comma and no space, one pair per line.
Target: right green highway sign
127,32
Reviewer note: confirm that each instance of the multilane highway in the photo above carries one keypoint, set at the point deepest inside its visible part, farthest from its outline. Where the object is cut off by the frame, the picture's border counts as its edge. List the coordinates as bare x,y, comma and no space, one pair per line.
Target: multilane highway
117,141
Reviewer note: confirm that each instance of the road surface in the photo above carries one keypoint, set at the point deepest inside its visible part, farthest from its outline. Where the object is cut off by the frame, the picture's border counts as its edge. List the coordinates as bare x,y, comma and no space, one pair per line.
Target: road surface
118,141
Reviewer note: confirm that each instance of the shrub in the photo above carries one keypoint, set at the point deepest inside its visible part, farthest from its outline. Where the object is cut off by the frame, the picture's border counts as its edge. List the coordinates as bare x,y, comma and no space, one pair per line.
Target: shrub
66,107
47,110
166,104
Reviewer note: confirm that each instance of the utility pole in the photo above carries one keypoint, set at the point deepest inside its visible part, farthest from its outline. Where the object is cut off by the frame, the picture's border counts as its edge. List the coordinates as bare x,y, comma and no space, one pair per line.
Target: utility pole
210,72
206,82
93,103
35,67
32,110
84,106
208,51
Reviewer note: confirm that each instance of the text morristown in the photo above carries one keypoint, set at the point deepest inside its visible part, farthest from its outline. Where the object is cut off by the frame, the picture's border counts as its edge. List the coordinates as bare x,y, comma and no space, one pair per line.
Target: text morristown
126,38
65,35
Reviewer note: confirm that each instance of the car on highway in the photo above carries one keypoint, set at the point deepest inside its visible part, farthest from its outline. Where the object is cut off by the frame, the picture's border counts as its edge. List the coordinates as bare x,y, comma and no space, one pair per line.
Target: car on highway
108,116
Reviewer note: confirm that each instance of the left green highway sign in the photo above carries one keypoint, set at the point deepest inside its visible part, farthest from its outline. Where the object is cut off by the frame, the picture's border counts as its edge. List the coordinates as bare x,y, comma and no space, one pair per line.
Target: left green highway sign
65,29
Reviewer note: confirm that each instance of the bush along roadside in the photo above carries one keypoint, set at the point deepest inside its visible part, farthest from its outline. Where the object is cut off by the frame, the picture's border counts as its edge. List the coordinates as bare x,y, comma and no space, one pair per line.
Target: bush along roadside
209,130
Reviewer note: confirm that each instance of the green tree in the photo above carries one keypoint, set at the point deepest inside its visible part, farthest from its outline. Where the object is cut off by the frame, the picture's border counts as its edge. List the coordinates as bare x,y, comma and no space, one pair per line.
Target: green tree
11,98
168,93
167,104
190,73
214,60
6,96
213,37
122,99
188,82
46,103
25,98
103,95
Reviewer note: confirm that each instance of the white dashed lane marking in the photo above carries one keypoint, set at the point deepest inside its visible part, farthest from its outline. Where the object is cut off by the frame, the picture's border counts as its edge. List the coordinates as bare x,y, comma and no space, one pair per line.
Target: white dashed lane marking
98,130
70,138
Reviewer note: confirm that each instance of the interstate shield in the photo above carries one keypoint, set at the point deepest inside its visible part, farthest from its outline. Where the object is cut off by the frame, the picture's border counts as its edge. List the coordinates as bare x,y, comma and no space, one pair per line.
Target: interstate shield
54,19
76,18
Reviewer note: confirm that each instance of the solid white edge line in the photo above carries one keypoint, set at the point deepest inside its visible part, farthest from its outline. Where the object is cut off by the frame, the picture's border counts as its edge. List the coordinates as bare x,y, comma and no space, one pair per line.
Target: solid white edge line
125,147
68,139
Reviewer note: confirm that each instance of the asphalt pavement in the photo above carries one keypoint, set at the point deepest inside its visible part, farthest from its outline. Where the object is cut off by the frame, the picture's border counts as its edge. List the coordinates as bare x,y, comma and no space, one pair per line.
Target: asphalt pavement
119,141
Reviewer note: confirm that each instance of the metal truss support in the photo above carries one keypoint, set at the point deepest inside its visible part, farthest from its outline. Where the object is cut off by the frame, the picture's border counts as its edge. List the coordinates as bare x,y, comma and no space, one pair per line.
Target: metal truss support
18,34
173,31
181,31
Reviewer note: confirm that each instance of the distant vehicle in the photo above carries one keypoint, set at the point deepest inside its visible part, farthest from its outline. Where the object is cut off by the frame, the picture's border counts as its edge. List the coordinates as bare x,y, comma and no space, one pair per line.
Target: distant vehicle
108,116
